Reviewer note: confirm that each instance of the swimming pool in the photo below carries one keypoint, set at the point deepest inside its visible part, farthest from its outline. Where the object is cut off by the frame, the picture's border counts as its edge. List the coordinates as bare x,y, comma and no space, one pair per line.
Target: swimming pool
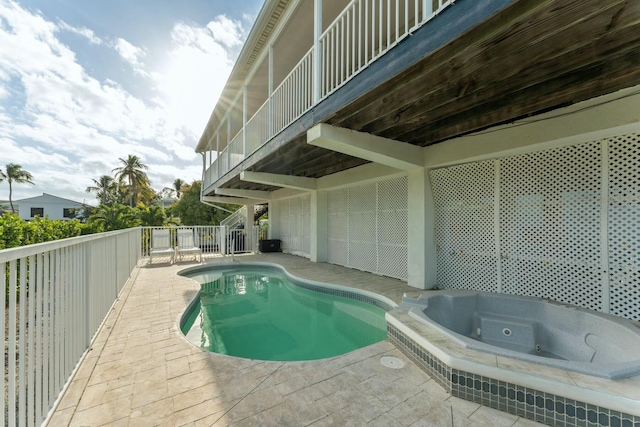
258,311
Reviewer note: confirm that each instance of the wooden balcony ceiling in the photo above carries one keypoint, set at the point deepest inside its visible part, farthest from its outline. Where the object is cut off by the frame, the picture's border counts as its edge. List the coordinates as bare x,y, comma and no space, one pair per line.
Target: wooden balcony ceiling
530,57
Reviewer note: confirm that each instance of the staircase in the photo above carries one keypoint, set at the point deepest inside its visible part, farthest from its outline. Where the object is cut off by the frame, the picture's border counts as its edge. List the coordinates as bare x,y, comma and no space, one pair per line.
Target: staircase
238,217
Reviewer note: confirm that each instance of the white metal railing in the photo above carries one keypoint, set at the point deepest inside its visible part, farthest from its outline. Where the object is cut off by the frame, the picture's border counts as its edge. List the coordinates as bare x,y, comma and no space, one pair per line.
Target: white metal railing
294,96
57,296
236,218
365,30
361,33
237,241
257,128
209,238
235,151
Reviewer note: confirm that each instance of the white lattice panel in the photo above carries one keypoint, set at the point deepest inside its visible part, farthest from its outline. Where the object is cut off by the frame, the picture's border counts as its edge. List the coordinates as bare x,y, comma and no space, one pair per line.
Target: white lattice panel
306,225
465,231
367,227
284,224
295,225
337,226
392,229
550,209
624,225
362,228
553,222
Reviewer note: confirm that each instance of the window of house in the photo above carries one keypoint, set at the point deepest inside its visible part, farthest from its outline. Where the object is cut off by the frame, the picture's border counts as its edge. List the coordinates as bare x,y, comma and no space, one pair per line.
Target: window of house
68,212
37,212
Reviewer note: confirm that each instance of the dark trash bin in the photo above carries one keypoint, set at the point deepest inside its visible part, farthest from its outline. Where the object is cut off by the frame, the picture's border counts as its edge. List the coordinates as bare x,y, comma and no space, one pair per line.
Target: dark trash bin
271,245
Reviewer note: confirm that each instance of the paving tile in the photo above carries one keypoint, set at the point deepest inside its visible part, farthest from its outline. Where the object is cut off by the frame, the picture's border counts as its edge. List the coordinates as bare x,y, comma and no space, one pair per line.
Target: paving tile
254,403
493,417
142,371
104,413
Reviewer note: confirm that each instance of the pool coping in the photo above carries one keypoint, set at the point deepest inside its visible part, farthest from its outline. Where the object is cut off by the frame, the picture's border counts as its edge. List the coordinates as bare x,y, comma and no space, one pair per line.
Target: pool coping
510,385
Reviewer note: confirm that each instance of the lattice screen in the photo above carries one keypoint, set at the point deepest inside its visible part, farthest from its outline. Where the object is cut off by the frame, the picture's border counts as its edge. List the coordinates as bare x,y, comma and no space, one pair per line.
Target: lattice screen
392,226
465,231
547,223
337,226
295,225
367,227
550,208
624,225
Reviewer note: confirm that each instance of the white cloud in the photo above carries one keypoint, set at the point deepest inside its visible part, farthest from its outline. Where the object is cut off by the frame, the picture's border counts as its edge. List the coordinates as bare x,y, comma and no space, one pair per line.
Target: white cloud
226,31
72,127
132,54
81,31
205,56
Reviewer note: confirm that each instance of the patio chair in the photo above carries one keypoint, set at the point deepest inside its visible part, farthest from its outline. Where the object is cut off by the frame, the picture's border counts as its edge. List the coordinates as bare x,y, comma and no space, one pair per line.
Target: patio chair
161,244
186,244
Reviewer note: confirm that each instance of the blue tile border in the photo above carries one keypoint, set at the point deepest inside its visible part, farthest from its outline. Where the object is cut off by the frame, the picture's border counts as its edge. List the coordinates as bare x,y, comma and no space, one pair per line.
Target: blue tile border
522,401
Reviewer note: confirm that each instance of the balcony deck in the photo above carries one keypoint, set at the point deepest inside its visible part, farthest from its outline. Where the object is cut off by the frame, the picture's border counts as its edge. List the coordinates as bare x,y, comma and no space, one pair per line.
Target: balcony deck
141,371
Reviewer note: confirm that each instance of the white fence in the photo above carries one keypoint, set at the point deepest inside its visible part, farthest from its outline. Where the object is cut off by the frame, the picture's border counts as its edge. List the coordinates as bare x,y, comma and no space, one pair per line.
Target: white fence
213,240
57,296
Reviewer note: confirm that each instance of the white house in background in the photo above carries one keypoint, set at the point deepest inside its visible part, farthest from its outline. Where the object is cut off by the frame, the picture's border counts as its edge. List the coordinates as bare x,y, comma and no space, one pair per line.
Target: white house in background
46,205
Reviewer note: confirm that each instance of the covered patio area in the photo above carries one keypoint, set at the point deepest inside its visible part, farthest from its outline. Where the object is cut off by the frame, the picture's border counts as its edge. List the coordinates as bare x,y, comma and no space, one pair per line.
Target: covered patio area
142,371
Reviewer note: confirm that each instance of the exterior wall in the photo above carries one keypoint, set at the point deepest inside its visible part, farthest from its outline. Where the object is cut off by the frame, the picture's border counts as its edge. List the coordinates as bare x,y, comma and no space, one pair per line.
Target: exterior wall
560,223
52,206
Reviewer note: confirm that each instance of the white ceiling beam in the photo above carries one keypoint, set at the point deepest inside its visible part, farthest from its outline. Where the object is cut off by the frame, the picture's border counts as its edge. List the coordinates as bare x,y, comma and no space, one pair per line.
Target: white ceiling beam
251,194
232,200
286,181
385,151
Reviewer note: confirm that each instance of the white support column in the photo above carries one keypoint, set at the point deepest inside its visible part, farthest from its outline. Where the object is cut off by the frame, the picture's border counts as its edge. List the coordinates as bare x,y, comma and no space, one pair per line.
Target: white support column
228,140
270,125
217,155
421,224
244,121
274,220
248,226
319,226
317,50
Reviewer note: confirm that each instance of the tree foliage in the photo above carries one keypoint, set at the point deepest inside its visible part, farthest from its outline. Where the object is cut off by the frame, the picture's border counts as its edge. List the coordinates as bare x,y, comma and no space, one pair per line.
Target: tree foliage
105,189
192,211
18,232
14,173
134,181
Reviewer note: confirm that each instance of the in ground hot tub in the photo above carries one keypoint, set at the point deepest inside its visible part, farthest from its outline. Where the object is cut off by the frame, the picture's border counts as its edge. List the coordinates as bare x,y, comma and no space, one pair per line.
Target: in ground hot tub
533,329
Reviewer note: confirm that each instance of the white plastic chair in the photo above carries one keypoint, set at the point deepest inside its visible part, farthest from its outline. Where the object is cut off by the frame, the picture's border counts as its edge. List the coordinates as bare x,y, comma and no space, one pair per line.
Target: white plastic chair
161,244
187,246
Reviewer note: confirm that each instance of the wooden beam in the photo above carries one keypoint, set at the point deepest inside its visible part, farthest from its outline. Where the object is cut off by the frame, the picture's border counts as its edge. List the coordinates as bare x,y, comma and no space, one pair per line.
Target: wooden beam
286,181
251,194
384,151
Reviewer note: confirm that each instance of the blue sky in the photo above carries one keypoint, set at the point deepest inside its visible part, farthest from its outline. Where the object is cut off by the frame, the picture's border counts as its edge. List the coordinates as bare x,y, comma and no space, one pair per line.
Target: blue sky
83,83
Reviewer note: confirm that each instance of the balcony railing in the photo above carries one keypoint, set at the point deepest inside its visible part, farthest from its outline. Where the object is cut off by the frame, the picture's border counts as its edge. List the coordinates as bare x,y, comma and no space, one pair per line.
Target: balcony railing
362,32
57,296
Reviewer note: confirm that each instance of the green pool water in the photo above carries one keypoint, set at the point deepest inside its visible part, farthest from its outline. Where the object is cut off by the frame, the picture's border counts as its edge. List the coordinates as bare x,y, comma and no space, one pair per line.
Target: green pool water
259,314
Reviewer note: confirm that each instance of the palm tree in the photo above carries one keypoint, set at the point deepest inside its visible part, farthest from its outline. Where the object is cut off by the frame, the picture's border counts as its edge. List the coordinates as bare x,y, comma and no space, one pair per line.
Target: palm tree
106,189
132,171
14,173
114,217
178,184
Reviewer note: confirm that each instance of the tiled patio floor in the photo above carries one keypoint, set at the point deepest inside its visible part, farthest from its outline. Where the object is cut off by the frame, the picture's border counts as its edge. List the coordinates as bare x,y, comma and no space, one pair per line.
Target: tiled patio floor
142,372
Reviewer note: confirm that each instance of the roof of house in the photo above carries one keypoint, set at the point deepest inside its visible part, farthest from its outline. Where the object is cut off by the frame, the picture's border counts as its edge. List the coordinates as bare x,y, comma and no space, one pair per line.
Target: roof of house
49,198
